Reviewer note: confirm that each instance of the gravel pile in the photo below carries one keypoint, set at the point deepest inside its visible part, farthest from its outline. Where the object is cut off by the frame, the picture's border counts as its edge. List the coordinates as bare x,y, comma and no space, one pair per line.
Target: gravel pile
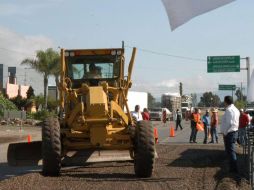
179,167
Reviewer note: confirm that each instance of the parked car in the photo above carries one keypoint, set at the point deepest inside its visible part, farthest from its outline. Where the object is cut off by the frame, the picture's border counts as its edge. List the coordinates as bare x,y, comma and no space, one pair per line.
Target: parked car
222,109
250,112
156,113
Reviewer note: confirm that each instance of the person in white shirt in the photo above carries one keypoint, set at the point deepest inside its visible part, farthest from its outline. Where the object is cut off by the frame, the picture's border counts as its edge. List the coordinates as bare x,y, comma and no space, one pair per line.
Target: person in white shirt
229,128
137,114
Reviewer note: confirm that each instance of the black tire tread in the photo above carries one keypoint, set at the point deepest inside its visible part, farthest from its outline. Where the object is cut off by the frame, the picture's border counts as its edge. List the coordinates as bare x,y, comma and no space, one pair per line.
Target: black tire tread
51,147
144,149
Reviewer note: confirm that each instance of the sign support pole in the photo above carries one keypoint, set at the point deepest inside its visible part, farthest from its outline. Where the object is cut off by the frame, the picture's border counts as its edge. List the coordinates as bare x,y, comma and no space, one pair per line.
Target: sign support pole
248,71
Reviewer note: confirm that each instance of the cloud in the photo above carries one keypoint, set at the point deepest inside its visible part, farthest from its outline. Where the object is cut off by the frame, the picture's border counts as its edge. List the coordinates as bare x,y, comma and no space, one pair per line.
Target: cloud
156,88
168,83
15,47
191,84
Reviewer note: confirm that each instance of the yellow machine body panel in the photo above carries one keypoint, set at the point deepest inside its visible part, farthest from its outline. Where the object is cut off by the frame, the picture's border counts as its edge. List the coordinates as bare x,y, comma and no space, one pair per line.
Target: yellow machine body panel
97,103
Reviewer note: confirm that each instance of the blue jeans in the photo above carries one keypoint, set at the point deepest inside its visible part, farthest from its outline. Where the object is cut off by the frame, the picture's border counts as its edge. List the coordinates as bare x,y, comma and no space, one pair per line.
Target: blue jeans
194,131
242,136
229,142
206,131
214,134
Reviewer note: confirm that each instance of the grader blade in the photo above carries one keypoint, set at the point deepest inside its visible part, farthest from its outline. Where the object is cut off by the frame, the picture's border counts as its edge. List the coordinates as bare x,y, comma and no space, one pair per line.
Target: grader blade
73,158
24,154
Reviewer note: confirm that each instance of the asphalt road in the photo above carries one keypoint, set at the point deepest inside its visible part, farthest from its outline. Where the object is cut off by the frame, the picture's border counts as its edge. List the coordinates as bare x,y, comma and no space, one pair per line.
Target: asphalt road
181,136
180,166
11,134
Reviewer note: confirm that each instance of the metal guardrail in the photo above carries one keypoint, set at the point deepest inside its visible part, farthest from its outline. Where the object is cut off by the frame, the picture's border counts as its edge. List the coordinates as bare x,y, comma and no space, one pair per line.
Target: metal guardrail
11,114
248,152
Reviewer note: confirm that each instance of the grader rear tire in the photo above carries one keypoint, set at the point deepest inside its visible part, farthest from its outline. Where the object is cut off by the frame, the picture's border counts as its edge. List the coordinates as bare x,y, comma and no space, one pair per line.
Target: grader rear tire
144,149
51,147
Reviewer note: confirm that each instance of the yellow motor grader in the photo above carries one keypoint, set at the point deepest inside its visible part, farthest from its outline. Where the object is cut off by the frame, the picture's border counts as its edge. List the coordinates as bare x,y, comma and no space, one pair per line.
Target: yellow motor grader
95,121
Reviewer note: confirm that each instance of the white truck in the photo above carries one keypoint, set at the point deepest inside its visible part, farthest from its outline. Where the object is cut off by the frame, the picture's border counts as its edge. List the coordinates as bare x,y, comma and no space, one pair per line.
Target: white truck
186,103
137,98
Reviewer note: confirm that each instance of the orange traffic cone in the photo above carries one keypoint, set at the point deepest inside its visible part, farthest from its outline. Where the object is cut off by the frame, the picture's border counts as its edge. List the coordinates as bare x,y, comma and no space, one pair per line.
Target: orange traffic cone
156,137
171,131
29,138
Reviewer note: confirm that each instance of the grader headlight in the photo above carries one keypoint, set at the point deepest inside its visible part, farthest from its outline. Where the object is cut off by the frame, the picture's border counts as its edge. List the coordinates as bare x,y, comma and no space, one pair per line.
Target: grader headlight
66,54
113,52
119,52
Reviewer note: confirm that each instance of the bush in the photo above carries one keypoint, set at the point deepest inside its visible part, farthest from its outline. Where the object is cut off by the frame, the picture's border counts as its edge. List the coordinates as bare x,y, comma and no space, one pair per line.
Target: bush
240,104
19,102
6,104
41,115
52,105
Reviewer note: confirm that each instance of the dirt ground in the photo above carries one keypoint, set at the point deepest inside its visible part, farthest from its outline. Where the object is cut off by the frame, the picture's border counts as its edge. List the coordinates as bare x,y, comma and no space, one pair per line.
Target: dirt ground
10,139
185,167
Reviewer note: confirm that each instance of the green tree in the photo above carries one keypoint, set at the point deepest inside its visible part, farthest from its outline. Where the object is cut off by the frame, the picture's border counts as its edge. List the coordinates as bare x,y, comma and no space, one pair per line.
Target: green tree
19,101
56,73
151,100
194,99
157,104
44,63
240,104
6,104
240,96
209,100
52,105
30,92
39,100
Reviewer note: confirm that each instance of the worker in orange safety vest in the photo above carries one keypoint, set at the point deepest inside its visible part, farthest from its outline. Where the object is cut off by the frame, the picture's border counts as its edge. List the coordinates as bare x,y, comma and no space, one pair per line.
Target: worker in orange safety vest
195,118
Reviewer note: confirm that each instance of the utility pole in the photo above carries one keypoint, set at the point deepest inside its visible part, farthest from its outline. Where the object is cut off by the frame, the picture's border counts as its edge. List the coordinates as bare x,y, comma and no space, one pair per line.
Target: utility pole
241,97
181,89
248,72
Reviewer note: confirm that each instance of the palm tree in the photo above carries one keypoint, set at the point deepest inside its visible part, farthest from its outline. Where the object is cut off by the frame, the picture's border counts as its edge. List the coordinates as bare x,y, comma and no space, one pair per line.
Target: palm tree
56,73
44,63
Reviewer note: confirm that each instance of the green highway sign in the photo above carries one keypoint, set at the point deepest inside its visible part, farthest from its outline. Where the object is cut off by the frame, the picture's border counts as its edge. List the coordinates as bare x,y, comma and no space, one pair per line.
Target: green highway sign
227,87
217,64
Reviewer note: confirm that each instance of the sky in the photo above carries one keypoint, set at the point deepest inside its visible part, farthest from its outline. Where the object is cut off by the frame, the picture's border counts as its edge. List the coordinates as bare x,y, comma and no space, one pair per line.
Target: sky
30,25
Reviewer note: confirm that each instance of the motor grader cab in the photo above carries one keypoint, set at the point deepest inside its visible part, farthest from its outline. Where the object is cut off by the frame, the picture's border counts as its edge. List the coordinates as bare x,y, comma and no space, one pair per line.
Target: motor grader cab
93,96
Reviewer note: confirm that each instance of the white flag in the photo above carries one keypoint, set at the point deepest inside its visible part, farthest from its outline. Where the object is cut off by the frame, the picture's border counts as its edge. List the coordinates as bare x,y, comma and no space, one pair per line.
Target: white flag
250,89
181,11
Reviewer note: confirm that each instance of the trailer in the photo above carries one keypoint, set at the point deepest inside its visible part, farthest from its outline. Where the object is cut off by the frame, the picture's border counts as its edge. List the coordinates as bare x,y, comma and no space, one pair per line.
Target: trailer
137,98
171,101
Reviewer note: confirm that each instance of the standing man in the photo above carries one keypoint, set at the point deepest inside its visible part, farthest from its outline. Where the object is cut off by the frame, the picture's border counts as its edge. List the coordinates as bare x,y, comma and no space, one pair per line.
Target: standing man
187,114
243,123
195,118
214,125
137,114
229,128
145,114
178,119
206,121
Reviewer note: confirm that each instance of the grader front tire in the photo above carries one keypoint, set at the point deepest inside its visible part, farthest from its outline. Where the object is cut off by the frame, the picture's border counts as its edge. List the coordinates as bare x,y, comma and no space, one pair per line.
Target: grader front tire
144,149
51,147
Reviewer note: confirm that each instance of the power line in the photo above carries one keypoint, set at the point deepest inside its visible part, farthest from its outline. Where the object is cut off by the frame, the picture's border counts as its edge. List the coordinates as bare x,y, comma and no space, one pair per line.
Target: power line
168,55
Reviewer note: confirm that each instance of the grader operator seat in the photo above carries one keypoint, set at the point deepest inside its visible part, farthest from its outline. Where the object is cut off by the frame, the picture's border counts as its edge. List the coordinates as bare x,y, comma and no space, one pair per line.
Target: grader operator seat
94,68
